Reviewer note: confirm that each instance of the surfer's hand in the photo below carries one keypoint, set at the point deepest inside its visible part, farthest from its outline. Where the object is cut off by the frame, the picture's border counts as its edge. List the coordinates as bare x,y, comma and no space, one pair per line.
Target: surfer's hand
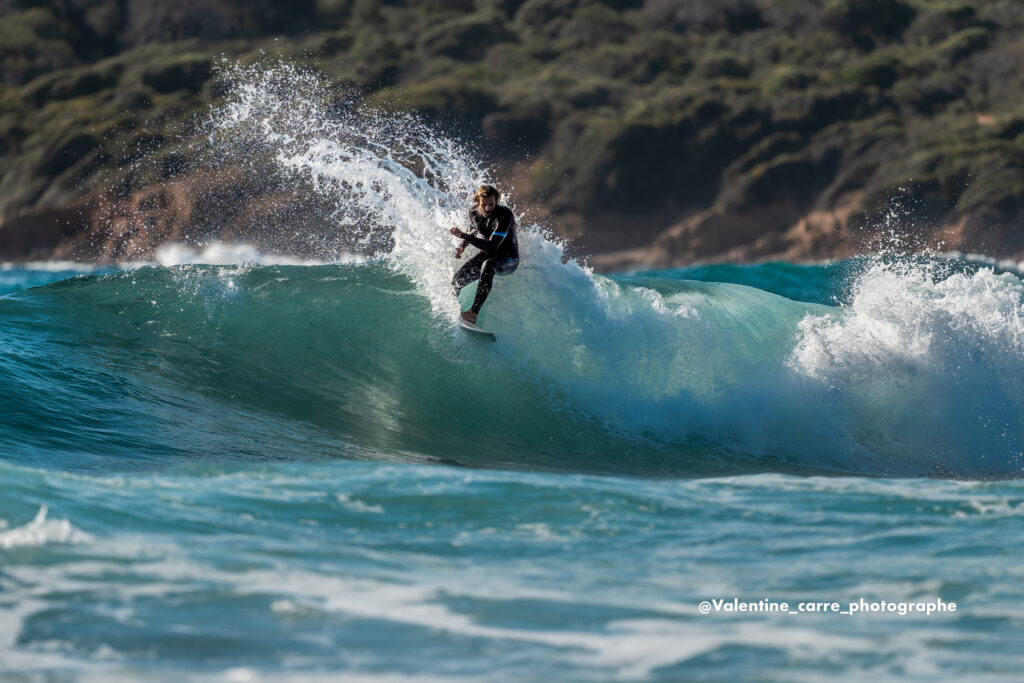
457,232
458,252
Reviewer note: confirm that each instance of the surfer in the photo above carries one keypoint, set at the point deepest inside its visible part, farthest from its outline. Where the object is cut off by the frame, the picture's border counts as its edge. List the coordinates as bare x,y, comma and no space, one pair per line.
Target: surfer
493,232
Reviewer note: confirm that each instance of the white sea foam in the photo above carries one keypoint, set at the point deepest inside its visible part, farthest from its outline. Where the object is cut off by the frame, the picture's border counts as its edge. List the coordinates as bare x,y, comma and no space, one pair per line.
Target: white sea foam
356,505
223,254
51,266
629,648
249,675
431,594
228,254
41,531
925,367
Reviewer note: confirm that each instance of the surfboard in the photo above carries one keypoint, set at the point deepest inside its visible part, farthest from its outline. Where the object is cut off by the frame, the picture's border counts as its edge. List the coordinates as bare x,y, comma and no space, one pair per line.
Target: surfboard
477,332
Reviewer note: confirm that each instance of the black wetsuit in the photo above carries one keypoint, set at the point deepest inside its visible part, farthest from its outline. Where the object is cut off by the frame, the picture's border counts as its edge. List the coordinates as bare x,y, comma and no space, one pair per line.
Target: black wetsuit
499,252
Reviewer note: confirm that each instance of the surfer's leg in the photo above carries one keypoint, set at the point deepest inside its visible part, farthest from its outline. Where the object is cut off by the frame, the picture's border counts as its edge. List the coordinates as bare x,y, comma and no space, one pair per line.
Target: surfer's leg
467,273
484,288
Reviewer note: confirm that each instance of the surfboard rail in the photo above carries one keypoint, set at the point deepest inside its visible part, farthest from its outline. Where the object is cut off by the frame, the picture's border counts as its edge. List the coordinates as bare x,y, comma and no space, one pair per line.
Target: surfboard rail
470,327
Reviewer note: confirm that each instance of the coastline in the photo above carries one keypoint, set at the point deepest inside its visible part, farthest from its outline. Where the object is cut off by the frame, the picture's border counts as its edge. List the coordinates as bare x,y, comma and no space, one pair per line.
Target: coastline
94,233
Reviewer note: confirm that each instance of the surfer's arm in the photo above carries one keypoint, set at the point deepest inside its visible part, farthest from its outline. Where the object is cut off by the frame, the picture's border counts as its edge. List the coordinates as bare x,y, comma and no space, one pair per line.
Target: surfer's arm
465,242
488,246
484,245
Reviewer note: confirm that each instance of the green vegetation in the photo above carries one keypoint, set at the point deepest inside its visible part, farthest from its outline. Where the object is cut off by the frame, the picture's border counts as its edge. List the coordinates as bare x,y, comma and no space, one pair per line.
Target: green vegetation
622,107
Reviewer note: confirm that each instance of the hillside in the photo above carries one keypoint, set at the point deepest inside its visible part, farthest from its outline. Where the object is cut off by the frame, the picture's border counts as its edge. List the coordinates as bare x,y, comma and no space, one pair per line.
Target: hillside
651,132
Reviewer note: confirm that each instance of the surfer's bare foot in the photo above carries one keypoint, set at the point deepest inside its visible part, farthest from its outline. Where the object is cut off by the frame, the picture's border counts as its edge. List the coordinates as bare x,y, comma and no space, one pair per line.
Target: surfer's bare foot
469,317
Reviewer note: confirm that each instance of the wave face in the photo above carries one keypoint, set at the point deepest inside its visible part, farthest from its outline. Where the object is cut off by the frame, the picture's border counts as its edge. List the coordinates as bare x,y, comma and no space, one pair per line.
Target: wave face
916,373
878,366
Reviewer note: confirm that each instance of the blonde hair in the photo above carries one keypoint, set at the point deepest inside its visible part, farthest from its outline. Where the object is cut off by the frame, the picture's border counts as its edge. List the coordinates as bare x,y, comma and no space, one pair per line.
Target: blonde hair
486,191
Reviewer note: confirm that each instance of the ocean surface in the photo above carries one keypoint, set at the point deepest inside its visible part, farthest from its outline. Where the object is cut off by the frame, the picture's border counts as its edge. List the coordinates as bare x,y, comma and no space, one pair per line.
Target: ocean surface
280,472
226,465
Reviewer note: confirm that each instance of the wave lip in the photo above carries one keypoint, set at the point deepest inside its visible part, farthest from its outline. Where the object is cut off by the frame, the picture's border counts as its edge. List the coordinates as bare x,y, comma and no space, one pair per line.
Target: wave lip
925,368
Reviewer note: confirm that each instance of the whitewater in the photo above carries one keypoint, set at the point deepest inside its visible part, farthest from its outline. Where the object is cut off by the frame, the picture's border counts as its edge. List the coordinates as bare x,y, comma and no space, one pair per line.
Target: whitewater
233,464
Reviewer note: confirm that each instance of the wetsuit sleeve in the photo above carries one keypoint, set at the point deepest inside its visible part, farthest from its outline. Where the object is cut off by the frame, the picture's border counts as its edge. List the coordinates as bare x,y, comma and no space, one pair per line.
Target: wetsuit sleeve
506,224
465,242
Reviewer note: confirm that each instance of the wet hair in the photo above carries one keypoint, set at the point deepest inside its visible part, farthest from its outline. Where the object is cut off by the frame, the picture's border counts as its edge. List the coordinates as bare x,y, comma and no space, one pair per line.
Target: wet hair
486,191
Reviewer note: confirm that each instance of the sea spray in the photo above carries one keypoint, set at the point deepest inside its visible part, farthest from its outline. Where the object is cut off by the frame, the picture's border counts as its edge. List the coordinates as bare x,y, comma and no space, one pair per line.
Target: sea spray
925,365
392,184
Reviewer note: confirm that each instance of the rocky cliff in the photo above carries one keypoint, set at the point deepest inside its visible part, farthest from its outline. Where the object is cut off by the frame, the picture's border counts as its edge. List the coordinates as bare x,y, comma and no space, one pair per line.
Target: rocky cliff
651,132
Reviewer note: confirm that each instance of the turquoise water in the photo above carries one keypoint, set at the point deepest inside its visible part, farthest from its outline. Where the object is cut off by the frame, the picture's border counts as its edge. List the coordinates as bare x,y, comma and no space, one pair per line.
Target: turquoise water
282,472
231,465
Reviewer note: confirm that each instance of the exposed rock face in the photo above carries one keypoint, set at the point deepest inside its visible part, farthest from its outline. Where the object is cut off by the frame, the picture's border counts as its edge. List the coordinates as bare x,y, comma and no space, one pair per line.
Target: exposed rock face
720,235
779,233
131,229
98,230
43,235
194,209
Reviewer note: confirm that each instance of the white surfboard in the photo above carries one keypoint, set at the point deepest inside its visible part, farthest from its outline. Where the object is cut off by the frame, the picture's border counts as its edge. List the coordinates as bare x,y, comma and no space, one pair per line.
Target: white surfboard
470,327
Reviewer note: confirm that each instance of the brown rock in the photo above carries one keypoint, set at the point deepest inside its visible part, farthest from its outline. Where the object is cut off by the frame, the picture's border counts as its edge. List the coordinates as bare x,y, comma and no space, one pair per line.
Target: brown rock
776,231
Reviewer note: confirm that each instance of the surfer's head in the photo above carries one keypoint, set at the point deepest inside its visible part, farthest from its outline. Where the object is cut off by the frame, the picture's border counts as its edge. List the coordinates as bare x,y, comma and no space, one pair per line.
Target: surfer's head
486,198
